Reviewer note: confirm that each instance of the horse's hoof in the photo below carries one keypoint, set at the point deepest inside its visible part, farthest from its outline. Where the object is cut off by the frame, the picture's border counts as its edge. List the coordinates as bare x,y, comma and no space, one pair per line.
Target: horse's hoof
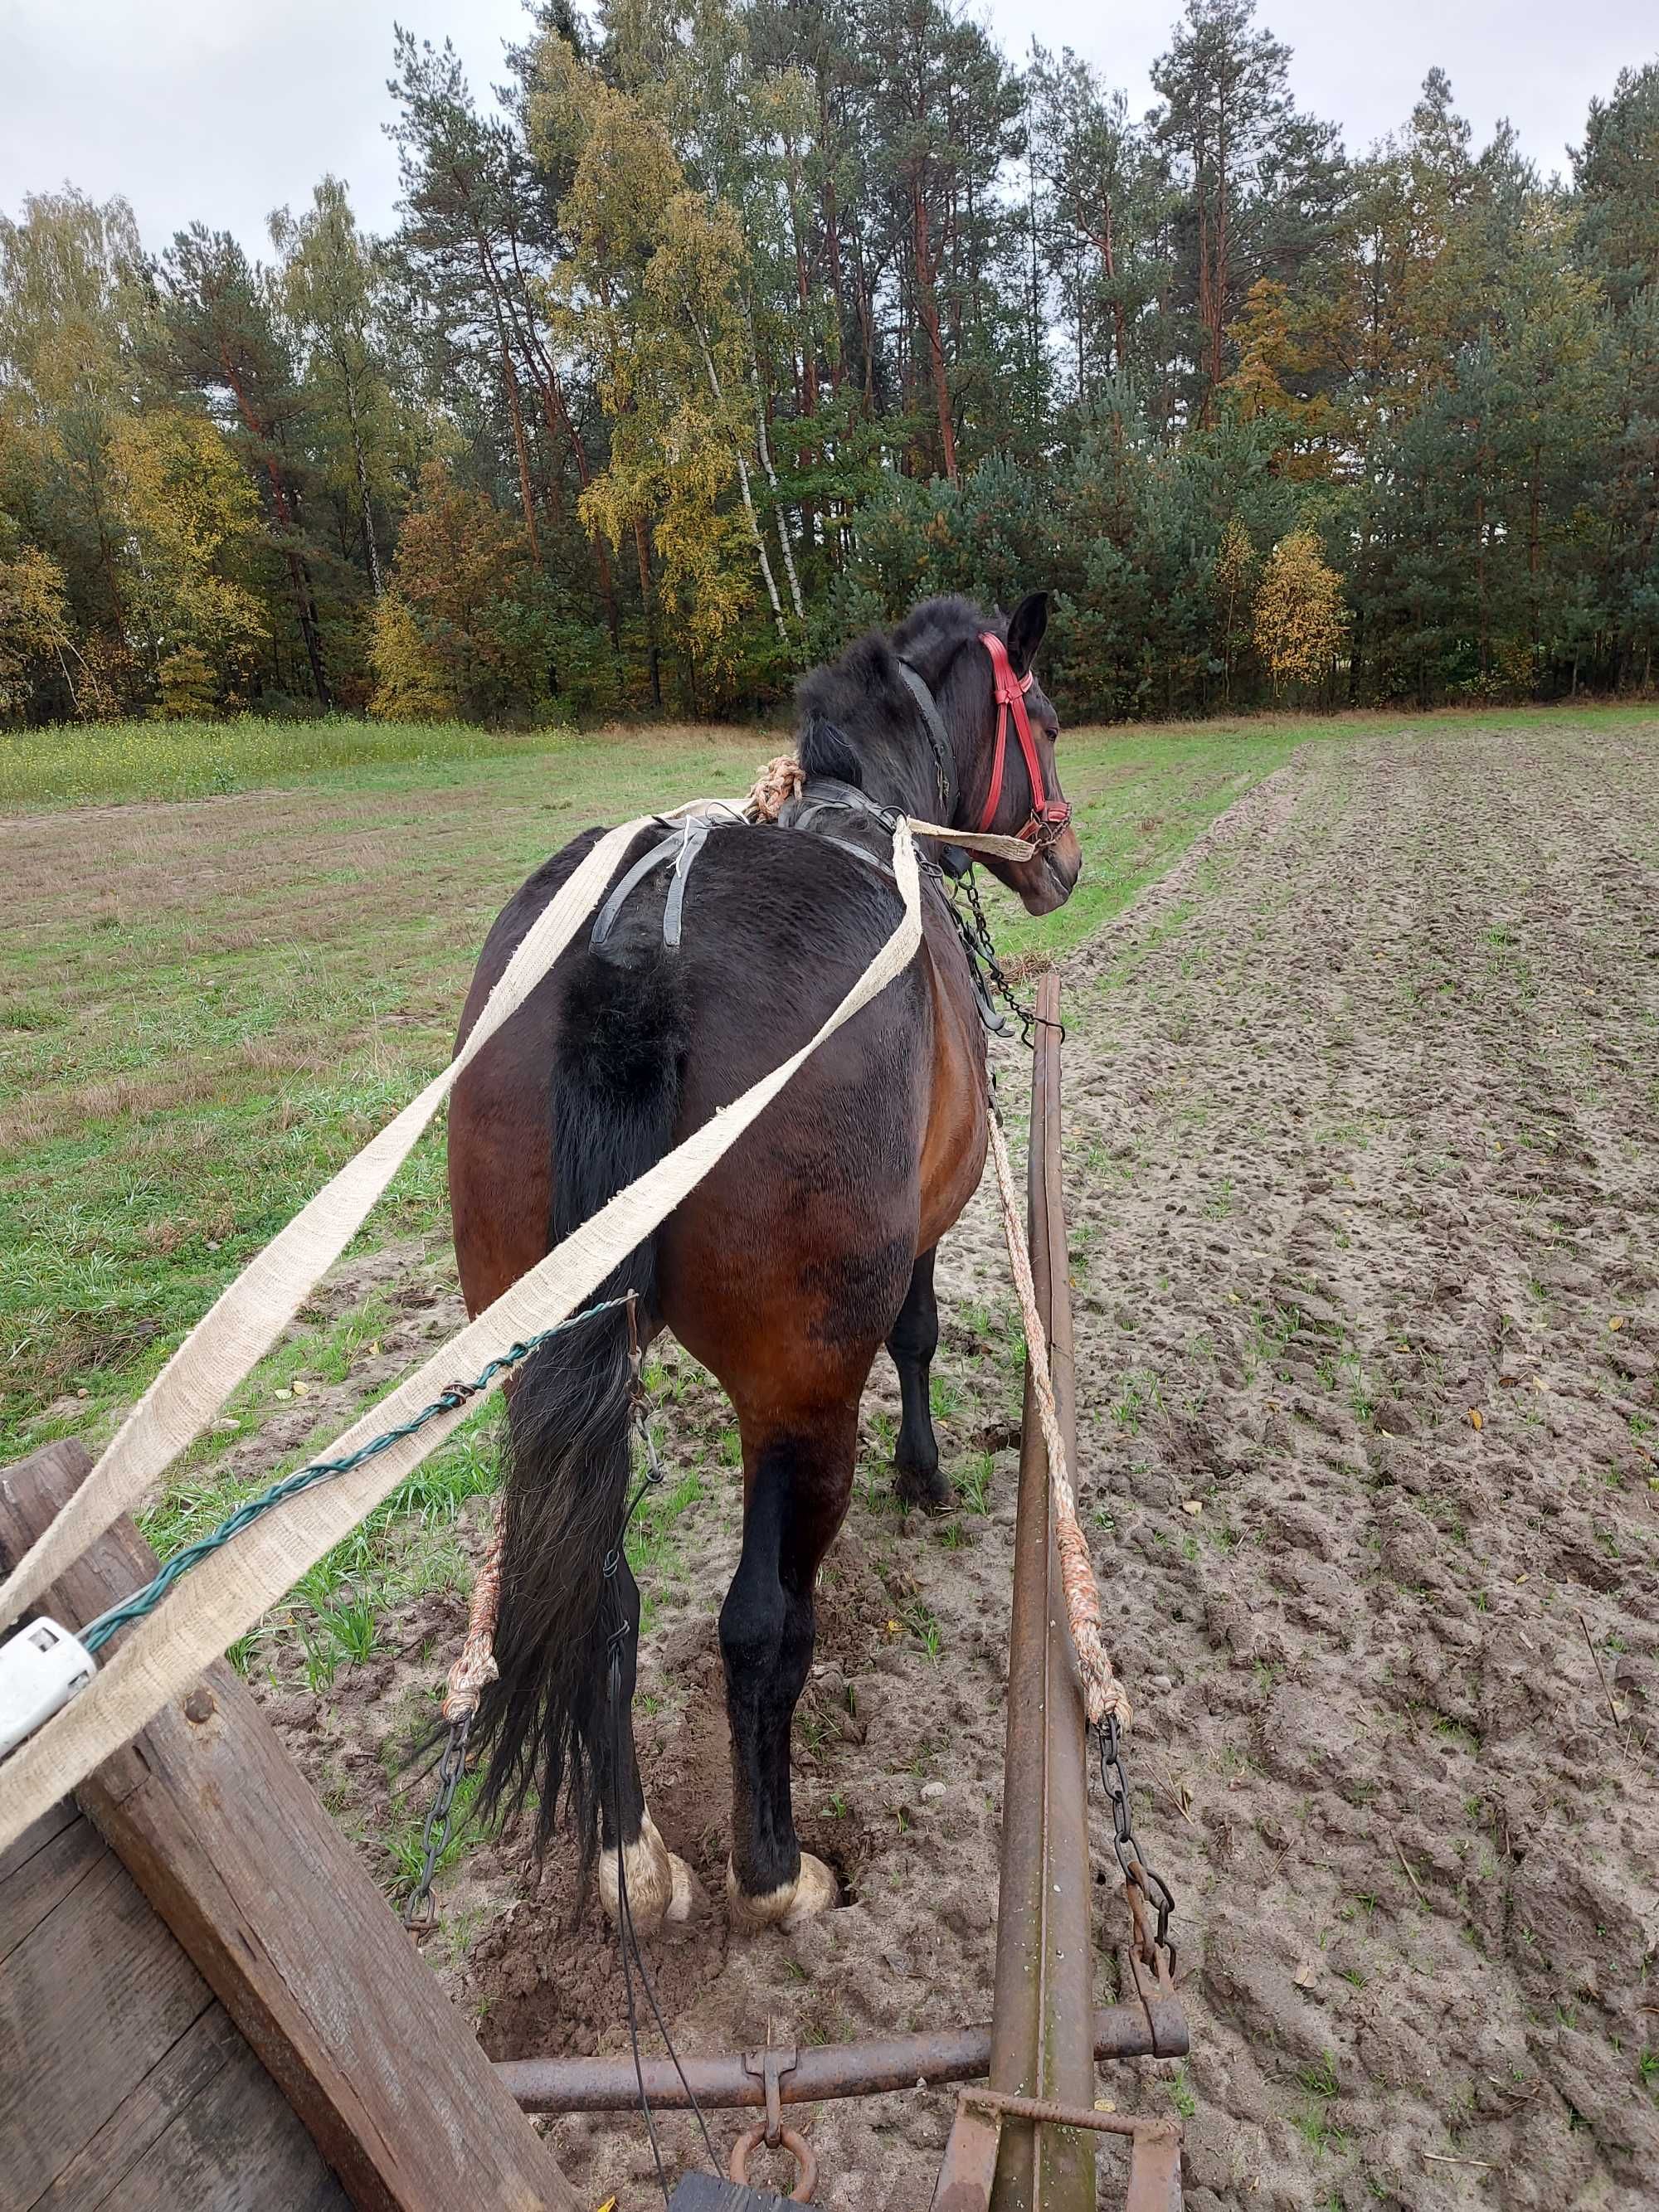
814,1890
926,1487
661,1886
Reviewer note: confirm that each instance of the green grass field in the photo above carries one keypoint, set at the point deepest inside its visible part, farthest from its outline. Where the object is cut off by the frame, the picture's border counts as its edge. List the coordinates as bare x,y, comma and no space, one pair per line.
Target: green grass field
205,1006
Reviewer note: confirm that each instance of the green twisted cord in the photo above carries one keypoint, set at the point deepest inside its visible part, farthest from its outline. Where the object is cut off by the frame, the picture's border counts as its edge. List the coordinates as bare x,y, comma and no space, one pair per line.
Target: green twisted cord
145,1601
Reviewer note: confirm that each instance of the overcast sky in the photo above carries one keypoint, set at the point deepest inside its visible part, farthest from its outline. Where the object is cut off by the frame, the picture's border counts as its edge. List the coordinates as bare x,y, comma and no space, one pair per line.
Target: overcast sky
224,109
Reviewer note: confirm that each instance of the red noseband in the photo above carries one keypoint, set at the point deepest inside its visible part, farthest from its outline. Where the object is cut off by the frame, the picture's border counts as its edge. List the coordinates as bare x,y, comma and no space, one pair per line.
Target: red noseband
1049,816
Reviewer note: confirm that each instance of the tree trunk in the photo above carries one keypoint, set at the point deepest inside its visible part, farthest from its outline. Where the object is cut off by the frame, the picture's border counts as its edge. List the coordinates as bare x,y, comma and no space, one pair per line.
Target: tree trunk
928,301
866,325
649,604
832,249
105,551
1219,282
367,502
299,574
556,416
754,530
521,445
1108,253
501,306
1484,640
808,343
771,473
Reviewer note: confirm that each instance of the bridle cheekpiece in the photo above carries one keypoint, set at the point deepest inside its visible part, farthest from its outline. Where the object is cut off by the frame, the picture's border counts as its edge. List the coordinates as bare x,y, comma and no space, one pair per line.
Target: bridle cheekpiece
1049,816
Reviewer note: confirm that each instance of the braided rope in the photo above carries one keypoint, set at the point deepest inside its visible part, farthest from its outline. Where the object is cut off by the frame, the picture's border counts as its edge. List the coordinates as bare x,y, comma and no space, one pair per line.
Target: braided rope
779,781
476,1666
784,779
1104,1695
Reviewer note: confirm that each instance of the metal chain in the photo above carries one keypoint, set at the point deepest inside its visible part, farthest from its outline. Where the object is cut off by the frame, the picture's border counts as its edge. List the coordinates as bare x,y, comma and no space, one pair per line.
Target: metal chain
978,944
1135,1870
420,1913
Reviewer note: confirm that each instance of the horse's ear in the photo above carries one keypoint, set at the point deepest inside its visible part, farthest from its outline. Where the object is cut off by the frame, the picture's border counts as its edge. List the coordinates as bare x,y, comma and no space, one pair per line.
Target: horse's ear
1025,631
824,750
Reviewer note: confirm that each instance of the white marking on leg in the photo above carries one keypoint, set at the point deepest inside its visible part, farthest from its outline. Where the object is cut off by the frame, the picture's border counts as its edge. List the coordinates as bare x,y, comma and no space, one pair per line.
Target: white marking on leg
814,1890
660,1884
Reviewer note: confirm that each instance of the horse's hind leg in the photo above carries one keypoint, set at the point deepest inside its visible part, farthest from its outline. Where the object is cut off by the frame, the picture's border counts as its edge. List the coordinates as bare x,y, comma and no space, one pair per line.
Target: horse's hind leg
631,1851
798,1479
912,1344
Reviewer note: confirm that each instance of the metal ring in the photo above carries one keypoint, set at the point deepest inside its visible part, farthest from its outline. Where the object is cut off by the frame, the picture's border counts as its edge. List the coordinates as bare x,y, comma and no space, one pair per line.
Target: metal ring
806,2166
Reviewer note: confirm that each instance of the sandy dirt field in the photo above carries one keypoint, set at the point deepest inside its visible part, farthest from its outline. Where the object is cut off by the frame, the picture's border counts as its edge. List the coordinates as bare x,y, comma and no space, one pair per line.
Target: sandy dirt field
1363,1175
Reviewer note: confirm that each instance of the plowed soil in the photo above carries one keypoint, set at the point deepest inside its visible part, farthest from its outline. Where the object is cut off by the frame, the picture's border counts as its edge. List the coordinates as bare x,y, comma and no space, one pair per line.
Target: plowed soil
1362,1167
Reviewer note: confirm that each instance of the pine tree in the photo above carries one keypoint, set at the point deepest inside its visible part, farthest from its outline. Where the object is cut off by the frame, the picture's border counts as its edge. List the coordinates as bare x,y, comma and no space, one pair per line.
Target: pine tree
223,344
328,285
1259,177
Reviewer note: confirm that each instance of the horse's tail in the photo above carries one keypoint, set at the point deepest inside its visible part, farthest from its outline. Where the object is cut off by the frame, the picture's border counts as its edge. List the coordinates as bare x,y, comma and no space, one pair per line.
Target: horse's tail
614,1091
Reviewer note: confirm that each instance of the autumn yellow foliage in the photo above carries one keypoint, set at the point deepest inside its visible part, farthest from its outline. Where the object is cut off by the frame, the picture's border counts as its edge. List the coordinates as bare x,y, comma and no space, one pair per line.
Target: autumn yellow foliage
35,628
409,685
1300,620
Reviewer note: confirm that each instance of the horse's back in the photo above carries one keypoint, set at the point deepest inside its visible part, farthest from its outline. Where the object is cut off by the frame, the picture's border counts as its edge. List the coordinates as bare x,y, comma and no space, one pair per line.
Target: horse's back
816,1208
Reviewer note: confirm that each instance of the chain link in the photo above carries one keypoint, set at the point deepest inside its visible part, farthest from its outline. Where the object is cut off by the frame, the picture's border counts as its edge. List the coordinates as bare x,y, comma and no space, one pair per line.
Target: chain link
420,1913
975,931
1134,1869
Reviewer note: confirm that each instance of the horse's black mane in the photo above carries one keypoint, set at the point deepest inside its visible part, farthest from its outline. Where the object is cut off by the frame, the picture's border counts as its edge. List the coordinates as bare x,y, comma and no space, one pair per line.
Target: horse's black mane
860,721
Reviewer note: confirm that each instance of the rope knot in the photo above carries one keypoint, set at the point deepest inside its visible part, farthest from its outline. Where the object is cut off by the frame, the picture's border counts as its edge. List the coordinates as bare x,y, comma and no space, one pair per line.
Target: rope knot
781,780
475,1668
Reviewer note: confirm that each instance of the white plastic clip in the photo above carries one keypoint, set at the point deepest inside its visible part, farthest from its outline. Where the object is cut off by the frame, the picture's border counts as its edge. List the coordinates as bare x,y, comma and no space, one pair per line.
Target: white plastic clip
41,1668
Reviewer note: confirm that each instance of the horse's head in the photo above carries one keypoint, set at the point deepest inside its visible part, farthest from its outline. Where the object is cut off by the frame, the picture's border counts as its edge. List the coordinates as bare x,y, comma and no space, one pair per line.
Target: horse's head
1011,786
943,719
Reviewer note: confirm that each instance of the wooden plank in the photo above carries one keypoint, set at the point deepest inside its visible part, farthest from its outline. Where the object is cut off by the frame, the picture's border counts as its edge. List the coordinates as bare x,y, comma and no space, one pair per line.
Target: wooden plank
187,2070
90,2000
233,1849
67,1853
238,2147
37,1836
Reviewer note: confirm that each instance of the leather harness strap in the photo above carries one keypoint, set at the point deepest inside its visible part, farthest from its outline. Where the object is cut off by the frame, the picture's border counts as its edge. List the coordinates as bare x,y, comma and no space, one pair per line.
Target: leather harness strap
938,737
1049,816
681,846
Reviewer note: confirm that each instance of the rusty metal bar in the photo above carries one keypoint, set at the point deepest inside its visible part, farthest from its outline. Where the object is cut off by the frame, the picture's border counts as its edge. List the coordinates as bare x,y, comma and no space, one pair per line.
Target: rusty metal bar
1041,2046
1040,2112
734,2079
978,2133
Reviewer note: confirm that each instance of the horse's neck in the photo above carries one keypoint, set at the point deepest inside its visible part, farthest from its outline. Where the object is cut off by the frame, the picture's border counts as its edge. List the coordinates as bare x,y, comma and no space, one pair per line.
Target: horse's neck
904,780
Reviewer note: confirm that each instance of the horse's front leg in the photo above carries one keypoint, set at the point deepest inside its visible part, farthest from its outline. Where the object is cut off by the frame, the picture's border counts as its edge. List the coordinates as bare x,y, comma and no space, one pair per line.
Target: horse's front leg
798,1477
914,1341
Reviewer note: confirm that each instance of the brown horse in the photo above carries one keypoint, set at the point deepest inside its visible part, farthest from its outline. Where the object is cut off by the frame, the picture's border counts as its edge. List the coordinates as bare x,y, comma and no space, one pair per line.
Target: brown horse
809,1246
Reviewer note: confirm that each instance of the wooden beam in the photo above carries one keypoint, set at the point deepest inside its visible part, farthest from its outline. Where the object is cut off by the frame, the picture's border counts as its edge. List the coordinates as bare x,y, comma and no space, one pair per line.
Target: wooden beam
233,1849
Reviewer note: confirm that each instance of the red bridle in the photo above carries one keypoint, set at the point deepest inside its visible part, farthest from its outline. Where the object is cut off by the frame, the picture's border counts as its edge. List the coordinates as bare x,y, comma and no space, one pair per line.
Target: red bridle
1049,816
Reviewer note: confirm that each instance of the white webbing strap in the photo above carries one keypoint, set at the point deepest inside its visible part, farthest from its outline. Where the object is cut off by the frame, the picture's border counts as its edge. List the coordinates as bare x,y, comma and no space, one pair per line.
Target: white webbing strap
251,1313
232,1587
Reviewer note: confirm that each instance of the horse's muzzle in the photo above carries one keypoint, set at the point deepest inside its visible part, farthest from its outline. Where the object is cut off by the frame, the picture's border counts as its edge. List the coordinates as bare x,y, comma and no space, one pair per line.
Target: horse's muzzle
1048,880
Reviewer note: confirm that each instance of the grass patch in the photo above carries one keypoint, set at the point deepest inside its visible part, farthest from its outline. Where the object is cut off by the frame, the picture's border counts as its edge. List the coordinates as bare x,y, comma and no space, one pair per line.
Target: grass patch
104,763
406,1547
